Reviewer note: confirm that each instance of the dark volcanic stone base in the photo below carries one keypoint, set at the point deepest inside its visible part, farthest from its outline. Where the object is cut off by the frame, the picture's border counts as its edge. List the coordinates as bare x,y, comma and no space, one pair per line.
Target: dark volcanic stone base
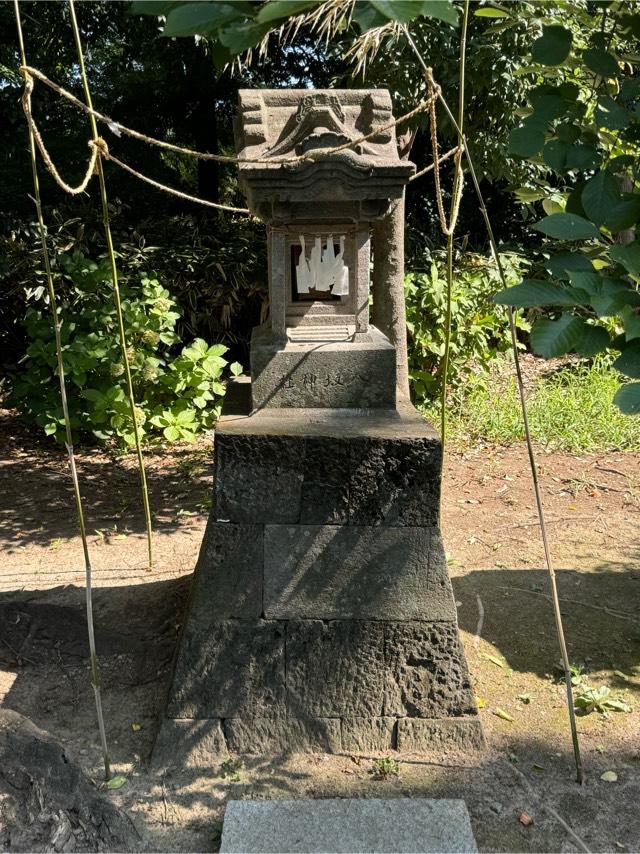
322,615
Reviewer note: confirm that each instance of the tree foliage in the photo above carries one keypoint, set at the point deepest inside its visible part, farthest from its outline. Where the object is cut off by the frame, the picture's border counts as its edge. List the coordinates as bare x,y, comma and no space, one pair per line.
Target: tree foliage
583,126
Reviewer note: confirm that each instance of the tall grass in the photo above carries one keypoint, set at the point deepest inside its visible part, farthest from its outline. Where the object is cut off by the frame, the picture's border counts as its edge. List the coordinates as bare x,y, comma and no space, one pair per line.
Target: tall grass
570,408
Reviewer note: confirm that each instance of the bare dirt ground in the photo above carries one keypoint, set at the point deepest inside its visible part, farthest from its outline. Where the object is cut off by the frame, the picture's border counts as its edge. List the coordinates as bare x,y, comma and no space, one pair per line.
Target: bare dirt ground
505,617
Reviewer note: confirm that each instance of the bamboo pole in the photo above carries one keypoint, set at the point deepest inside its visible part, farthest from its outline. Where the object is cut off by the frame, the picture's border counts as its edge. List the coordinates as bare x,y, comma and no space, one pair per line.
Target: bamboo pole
116,287
95,670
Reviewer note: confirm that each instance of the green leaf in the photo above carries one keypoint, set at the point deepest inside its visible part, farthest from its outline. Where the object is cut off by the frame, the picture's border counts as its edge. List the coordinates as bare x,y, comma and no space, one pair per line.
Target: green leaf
601,62
582,156
625,215
627,398
274,10
171,433
536,292
629,256
612,296
528,195
594,340
491,12
236,369
116,782
610,115
555,155
444,10
551,338
241,37
600,196
407,10
628,362
553,46
190,19
631,320
367,17
525,143
560,264
152,7
565,226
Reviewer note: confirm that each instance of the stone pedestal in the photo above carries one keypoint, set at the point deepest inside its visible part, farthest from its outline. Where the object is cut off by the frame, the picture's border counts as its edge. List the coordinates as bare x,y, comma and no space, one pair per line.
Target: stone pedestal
322,616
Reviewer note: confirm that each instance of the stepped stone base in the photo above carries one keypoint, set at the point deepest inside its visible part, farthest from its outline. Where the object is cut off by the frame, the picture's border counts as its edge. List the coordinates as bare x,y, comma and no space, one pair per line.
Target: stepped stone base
321,615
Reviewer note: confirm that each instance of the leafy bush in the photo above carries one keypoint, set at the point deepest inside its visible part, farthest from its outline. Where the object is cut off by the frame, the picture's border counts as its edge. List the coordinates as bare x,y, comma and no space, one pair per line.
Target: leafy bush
175,397
584,126
479,329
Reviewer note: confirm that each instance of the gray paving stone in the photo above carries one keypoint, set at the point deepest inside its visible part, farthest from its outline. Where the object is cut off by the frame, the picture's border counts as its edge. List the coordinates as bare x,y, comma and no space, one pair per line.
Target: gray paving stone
229,669
418,735
282,735
355,572
228,576
427,673
335,668
347,825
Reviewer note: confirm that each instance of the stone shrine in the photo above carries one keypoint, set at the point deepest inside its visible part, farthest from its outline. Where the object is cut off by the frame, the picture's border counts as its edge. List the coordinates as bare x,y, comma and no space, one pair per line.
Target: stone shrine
321,614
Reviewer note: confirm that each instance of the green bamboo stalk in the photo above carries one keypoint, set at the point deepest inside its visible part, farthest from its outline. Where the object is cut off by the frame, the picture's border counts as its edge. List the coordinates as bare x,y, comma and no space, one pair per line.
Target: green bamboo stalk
95,671
457,178
114,276
580,776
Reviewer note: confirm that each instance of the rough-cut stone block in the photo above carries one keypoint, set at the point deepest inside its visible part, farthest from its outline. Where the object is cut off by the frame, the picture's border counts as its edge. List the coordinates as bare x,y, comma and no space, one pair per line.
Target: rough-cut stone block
347,825
325,483
228,577
354,572
417,735
282,735
363,735
394,481
426,671
188,744
334,669
229,669
258,478
335,375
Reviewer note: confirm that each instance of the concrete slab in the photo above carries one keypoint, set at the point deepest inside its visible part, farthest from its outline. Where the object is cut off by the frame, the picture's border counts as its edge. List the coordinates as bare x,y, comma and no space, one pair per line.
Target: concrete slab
347,825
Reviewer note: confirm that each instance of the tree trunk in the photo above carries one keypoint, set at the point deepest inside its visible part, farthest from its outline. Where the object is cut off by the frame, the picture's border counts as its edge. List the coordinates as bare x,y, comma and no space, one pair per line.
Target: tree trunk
388,310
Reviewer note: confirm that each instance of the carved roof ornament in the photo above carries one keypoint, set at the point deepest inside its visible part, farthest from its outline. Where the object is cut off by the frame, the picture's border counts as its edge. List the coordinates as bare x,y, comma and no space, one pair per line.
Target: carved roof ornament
274,126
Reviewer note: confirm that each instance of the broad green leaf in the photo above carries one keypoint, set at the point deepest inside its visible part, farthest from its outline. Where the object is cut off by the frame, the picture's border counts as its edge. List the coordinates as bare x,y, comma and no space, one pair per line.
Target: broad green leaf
629,256
274,10
528,195
116,782
152,7
594,340
236,369
601,62
553,46
190,19
525,143
535,292
582,156
444,10
631,320
550,206
612,296
567,132
627,398
551,338
566,226
600,196
586,279
610,115
241,37
171,433
560,264
549,106
491,12
367,16
628,362
624,215
555,153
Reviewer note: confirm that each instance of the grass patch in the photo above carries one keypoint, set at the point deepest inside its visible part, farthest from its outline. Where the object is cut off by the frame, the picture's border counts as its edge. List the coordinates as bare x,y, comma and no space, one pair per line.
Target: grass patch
570,408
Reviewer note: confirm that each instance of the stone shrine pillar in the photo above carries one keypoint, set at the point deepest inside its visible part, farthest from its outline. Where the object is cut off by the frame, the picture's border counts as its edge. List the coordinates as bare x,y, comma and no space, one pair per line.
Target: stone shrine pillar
321,614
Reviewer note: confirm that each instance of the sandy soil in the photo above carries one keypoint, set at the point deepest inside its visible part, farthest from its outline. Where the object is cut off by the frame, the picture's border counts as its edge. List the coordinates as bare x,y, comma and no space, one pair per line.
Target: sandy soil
505,617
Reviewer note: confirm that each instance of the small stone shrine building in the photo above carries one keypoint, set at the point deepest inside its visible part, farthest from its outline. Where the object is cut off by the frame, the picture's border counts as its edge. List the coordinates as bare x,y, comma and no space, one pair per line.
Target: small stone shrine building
321,614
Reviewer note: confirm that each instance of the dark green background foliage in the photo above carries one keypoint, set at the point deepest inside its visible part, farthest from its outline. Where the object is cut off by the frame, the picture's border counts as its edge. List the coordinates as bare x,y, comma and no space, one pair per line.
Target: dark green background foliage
583,124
